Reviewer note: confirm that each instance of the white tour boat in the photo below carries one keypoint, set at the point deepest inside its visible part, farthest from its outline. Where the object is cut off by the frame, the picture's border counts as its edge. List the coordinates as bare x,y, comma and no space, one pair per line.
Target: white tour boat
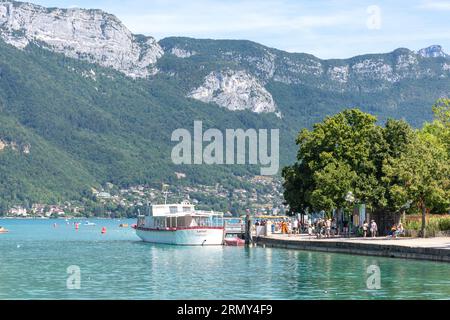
180,224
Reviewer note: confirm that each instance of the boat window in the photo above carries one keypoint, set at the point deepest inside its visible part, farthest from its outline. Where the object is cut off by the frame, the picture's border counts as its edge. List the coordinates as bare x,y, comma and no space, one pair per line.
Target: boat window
186,209
173,209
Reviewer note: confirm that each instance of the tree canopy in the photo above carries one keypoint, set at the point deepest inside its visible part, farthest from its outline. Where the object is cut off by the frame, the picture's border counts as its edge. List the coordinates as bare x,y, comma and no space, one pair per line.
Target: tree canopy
385,167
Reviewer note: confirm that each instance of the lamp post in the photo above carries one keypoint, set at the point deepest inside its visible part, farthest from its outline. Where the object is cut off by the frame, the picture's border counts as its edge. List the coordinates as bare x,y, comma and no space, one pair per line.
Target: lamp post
349,197
405,207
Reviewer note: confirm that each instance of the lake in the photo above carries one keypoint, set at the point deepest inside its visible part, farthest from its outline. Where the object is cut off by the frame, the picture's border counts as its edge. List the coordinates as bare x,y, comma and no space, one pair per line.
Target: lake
35,255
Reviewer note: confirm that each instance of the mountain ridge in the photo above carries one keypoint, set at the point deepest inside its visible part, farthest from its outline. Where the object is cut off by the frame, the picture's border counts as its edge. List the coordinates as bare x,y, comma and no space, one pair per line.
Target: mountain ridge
85,123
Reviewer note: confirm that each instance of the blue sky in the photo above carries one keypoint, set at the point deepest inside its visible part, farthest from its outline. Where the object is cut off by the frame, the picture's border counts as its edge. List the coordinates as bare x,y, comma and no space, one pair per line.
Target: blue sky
327,29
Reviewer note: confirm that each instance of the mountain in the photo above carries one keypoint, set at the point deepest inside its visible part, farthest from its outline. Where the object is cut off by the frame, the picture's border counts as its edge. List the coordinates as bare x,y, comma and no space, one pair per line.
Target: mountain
83,101
91,35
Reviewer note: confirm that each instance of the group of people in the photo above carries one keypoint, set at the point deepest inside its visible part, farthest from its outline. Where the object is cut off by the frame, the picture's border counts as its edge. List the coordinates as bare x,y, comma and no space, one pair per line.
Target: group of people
288,226
321,227
372,227
326,227
397,230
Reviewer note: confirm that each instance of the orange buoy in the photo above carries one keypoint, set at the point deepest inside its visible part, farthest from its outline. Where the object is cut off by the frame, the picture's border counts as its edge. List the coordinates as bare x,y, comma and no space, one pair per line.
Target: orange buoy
76,226
103,230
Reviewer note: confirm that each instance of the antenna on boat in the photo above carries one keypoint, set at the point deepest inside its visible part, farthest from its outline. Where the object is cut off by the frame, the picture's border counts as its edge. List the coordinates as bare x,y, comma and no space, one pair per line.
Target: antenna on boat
165,192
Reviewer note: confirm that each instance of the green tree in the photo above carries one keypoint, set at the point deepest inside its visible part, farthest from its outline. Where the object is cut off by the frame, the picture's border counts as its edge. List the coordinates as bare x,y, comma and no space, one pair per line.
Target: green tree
398,137
420,174
440,127
384,167
334,158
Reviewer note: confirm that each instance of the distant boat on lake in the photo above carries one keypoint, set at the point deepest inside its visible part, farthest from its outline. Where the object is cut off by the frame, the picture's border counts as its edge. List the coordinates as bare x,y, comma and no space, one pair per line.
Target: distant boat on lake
87,223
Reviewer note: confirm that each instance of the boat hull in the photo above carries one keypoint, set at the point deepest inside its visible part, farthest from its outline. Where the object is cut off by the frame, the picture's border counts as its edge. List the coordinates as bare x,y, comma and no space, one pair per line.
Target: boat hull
186,237
236,242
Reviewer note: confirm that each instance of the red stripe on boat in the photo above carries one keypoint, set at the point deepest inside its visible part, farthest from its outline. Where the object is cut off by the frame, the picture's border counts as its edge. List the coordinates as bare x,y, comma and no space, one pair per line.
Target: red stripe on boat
175,229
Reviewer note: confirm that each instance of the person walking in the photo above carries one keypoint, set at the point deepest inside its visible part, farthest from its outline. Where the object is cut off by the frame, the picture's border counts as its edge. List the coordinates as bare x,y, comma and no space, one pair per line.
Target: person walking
295,226
365,228
328,228
373,228
284,229
310,229
334,230
345,228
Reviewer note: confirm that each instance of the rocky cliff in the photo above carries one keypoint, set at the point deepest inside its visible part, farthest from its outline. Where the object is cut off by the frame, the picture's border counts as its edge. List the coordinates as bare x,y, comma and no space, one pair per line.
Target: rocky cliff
91,35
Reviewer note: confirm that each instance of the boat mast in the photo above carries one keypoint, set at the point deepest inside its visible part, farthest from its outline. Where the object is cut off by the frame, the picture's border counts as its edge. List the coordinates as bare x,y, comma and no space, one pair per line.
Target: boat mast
165,192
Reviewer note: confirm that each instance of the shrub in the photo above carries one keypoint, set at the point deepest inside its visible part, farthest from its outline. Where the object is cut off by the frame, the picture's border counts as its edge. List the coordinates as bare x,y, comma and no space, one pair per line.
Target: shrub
444,224
434,224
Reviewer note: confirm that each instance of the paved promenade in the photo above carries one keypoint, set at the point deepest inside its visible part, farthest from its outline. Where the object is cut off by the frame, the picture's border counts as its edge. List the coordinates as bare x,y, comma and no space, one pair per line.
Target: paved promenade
436,249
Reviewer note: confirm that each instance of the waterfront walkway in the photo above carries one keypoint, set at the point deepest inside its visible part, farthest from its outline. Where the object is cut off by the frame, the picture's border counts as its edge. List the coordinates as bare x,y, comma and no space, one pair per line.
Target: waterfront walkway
435,249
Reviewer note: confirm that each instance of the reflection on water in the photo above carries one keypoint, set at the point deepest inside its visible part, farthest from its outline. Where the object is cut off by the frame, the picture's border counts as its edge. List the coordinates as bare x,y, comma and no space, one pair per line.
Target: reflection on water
35,256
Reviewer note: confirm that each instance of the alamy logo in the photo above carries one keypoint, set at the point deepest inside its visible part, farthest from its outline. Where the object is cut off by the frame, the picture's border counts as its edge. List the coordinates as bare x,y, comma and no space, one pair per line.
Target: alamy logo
74,280
374,280
374,19
239,145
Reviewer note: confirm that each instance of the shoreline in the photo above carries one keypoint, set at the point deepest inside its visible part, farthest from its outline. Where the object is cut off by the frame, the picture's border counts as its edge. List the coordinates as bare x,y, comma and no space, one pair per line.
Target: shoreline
62,218
431,249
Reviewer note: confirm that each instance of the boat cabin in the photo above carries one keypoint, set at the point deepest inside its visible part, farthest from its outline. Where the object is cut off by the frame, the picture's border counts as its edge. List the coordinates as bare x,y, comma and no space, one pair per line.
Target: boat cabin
179,216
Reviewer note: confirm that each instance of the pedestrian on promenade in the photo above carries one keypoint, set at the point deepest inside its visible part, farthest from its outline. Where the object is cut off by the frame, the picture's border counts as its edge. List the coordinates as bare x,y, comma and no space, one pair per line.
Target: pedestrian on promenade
365,228
373,228
284,229
310,229
345,228
328,228
334,230
320,228
295,226
399,230
393,231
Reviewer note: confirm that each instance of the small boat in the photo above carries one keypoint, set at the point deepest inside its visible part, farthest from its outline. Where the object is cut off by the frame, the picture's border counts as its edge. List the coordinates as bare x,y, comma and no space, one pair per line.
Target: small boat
233,240
3,230
234,232
87,223
123,225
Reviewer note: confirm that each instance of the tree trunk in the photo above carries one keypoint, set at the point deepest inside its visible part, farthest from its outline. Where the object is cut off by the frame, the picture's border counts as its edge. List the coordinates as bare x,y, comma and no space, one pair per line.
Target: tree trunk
424,213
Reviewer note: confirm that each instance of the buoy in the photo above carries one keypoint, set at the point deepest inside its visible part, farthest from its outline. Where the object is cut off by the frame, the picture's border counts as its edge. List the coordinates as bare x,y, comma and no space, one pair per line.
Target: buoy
103,230
76,226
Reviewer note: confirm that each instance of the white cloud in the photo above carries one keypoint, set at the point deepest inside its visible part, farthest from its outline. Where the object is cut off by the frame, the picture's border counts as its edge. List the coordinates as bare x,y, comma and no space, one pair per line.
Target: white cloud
166,23
435,5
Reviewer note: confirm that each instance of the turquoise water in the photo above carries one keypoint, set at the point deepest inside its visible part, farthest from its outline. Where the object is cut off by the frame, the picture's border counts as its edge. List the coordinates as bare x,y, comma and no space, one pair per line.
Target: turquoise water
34,258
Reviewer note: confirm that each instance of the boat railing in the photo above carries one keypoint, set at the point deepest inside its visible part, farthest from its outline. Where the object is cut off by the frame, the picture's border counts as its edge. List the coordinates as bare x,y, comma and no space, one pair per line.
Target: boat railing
209,213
